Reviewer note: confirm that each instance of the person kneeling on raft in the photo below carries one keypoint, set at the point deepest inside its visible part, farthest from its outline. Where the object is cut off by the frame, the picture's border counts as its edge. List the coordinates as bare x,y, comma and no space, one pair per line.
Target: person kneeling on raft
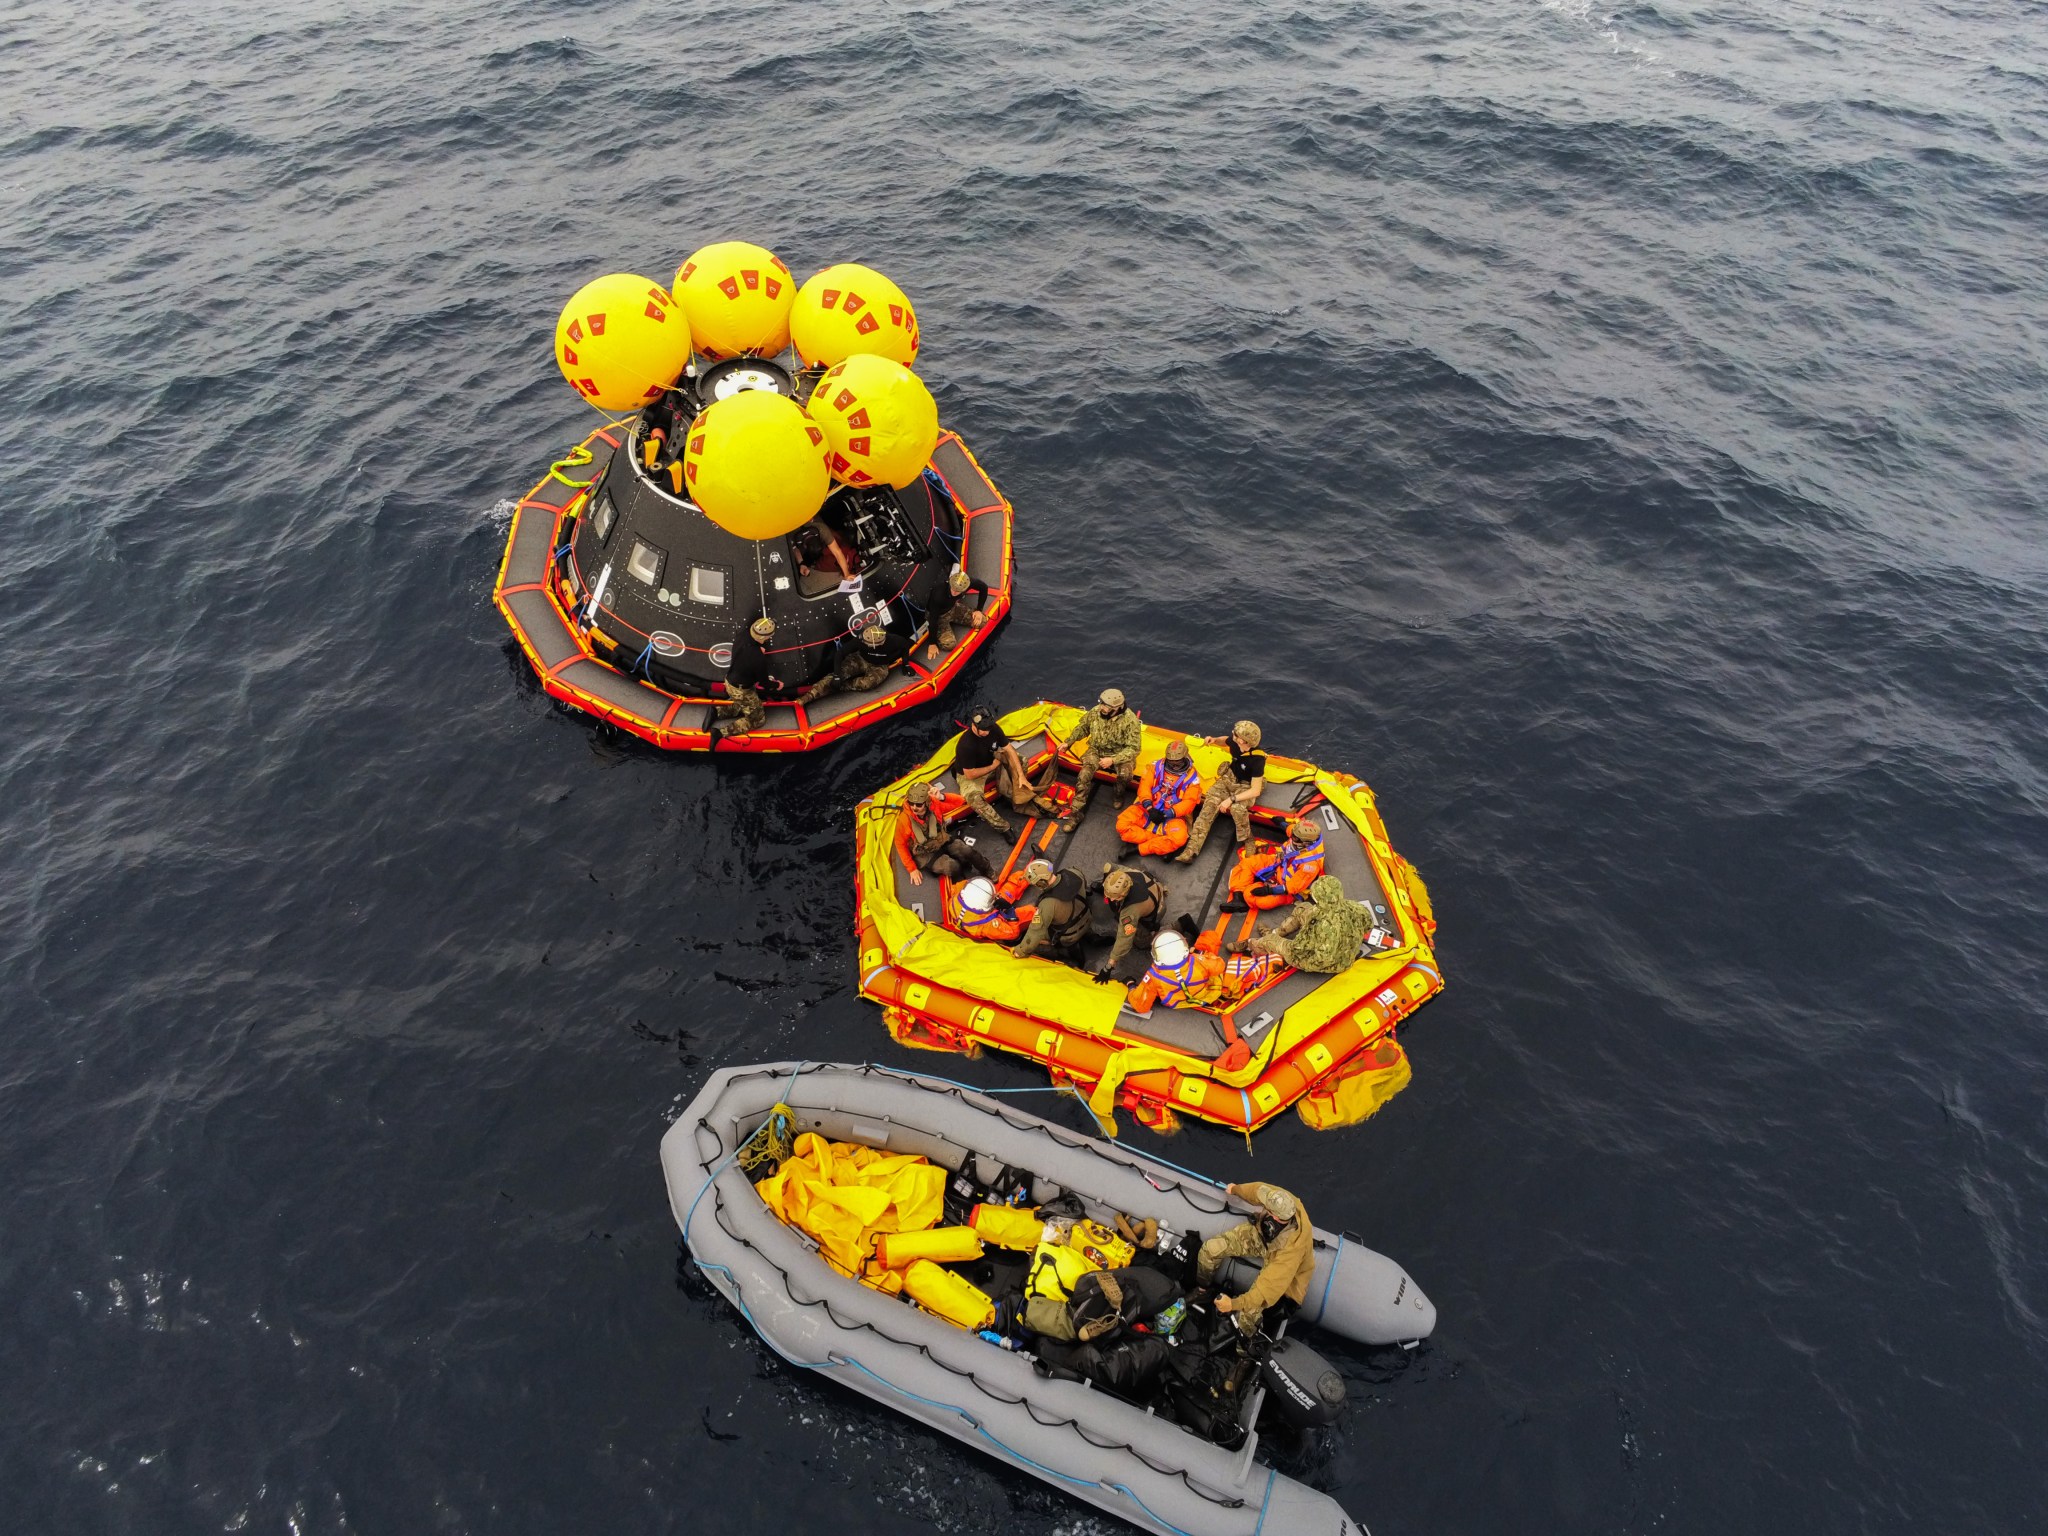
1274,877
1322,934
928,845
942,607
752,670
981,909
1060,921
1280,1239
1157,821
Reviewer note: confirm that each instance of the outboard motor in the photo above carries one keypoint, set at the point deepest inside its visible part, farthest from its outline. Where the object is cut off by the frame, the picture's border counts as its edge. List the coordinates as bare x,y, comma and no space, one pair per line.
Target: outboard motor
1301,1386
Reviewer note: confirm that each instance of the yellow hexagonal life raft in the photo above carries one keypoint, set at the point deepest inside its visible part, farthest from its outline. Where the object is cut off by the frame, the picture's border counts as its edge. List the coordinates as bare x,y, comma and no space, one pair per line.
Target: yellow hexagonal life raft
1323,1042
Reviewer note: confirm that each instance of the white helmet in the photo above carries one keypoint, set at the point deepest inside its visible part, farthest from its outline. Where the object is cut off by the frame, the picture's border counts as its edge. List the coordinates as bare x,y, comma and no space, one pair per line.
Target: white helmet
1169,948
978,895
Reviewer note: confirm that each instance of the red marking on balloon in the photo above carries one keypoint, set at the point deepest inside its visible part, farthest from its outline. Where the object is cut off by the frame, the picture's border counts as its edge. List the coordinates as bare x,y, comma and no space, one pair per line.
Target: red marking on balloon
575,330
752,276
840,464
817,437
569,356
697,443
588,386
774,289
831,298
654,312
683,276
868,325
597,325
776,262
730,288
895,314
690,470
859,418
656,296
853,303
653,392
842,400
859,477
857,445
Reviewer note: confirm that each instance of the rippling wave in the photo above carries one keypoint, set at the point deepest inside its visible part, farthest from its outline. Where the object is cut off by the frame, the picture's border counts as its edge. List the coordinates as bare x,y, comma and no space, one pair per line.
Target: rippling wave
1614,433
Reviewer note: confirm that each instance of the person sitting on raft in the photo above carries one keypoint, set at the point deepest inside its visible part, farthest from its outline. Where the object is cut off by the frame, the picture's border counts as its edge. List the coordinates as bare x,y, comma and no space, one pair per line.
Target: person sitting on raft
751,671
1113,733
987,759
1236,788
1157,821
1138,901
941,598
1275,877
1280,1238
927,844
1322,934
1184,975
981,909
1060,920
862,667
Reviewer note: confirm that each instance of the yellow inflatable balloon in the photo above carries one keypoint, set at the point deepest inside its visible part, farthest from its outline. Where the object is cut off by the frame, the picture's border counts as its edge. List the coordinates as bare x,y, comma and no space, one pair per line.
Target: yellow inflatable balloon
850,309
737,296
879,420
621,341
756,464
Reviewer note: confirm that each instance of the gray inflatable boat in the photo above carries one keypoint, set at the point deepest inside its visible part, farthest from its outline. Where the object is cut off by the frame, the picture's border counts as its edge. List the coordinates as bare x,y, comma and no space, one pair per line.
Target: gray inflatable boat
1114,1454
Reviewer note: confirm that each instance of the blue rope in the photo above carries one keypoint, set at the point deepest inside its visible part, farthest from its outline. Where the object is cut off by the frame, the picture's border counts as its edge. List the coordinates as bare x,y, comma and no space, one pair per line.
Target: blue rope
1265,1501
1335,1259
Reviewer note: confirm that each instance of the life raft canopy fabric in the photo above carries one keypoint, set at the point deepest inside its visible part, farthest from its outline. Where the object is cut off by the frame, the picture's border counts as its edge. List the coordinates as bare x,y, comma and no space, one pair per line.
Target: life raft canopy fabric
845,1195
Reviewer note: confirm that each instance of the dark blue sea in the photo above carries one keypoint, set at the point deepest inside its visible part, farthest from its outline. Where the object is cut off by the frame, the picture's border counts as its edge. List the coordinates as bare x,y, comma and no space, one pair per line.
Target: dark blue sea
1616,434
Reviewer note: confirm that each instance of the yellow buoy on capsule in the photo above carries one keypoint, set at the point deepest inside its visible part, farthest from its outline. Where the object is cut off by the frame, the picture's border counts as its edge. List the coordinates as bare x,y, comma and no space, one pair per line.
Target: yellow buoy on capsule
756,464
738,297
879,420
849,309
621,341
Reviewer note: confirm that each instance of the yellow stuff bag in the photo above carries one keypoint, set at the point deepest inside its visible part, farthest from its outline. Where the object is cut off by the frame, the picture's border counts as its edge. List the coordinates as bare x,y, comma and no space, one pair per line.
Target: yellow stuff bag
942,1245
1007,1226
1102,1246
944,1294
1054,1269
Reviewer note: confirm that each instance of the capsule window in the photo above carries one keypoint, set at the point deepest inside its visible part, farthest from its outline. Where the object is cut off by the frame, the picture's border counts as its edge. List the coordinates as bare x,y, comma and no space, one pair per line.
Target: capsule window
706,585
602,516
644,564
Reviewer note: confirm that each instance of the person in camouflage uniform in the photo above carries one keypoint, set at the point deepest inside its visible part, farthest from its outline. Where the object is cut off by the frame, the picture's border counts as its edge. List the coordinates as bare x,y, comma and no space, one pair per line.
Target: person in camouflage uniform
1322,934
1138,901
1060,922
1113,733
861,668
1236,787
750,670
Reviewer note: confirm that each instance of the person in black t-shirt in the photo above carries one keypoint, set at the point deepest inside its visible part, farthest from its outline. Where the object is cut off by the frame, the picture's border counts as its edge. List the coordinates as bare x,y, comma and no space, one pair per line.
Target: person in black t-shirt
987,759
864,664
752,670
942,597
1236,788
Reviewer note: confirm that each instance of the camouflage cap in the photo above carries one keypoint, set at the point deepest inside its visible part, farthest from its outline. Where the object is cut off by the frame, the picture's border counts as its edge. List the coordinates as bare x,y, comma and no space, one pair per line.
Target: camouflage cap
1116,883
1110,698
1247,731
919,793
959,581
1305,832
872,634
762,628
1038,871
1279,1204
1176,751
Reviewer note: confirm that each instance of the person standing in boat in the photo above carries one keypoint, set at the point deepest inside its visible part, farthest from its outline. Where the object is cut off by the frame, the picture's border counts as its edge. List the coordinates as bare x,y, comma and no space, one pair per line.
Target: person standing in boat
1113,733
1237,788
987,759
926,842
1060,922
752,670
1280,1239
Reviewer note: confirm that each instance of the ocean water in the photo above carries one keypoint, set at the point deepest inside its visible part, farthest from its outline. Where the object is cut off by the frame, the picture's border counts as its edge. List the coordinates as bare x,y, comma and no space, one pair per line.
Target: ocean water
1616,434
